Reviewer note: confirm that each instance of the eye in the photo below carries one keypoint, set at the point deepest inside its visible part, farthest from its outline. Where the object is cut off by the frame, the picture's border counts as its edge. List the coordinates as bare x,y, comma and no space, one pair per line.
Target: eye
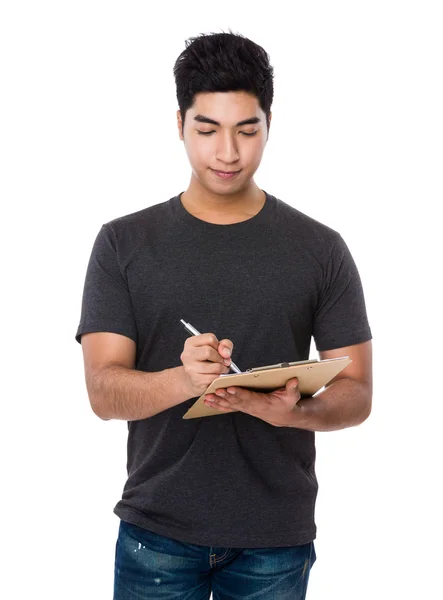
243,132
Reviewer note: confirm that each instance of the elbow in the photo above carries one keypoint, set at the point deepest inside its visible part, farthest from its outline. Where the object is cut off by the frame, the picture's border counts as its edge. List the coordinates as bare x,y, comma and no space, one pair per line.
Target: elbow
103,418
94,396
366,401
98,411
366,411
97,405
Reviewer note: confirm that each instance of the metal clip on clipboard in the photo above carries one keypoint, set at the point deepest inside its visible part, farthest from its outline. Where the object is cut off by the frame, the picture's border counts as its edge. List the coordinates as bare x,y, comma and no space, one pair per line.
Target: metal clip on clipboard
282,365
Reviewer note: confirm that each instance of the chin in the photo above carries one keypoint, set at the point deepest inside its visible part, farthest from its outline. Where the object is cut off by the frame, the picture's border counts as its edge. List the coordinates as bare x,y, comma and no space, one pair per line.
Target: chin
226,190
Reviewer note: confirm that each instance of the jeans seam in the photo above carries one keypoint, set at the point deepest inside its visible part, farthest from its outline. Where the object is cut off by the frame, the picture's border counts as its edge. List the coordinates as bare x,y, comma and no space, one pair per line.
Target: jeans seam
222,557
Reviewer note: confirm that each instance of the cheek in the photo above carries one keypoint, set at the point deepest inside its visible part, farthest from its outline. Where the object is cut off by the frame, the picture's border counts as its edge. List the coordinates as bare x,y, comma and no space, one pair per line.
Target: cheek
198,155
252,155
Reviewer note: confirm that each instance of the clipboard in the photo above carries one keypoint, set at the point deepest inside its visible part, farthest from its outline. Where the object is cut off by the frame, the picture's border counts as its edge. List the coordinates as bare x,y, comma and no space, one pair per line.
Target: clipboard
312,376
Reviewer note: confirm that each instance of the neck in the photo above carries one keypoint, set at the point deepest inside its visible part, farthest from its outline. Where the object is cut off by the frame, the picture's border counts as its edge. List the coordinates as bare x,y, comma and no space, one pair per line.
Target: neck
199,200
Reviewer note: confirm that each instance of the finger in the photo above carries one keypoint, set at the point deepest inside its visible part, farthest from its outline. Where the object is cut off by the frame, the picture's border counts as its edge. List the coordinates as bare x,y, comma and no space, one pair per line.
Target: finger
291,384
220,408
204,339
207,353
210,367
216,401
225,348
239,396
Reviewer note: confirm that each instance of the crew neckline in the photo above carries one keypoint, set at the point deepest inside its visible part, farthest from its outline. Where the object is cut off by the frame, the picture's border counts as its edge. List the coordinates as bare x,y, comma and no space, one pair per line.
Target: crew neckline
262,216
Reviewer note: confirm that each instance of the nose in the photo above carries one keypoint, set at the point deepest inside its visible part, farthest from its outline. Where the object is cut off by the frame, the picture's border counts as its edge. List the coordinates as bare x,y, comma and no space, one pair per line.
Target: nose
227,151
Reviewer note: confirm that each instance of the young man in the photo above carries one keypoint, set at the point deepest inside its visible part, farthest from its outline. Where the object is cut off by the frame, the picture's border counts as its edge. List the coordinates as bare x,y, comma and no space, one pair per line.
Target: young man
226,503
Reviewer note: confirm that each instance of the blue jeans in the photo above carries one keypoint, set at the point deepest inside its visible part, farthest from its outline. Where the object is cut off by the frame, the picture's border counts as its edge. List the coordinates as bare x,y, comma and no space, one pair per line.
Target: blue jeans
151,566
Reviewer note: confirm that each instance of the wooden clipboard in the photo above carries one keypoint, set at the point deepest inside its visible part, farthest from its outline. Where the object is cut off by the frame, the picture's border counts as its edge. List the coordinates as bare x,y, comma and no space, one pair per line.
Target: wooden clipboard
312,376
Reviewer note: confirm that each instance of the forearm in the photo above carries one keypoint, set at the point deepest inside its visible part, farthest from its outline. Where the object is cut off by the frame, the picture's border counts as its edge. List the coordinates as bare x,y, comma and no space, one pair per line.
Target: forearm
116,392
344,403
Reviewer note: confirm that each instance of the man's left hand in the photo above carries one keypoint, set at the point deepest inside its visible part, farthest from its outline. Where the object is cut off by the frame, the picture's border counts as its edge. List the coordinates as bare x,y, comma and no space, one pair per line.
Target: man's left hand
279,408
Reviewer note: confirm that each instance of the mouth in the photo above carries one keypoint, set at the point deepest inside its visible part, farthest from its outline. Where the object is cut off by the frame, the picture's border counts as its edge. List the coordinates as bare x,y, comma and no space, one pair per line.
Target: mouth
225,174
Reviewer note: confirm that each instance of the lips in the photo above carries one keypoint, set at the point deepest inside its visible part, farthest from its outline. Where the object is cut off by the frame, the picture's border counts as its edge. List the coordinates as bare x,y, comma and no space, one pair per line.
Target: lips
226,175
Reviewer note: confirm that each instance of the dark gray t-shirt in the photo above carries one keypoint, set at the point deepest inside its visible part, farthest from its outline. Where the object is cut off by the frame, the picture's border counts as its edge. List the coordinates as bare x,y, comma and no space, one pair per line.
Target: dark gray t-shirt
269,284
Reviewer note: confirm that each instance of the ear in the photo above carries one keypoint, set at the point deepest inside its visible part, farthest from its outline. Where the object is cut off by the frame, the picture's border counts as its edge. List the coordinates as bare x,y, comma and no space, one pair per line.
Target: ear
180,125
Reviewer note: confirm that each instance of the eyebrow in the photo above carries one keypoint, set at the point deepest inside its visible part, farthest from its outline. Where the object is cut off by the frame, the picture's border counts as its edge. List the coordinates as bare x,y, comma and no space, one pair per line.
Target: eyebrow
203,119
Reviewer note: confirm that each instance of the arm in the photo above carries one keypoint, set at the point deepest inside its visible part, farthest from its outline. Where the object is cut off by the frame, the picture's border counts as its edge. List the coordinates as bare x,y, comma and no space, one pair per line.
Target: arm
117,391
346,400
340,314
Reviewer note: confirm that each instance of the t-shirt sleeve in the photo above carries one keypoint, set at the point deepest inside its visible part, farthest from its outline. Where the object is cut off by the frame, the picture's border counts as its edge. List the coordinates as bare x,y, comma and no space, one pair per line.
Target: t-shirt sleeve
340,317
106,302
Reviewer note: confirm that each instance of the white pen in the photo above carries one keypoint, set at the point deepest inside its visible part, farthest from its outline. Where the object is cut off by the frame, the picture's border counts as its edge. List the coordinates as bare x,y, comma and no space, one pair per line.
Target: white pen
194,331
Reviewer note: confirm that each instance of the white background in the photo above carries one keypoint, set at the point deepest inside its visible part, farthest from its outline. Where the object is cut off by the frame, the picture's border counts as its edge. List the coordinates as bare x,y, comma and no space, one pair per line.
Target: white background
88,133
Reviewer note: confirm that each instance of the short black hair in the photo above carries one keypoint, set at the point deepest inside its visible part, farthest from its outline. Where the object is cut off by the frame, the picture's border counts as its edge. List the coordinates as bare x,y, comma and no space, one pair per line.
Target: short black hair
223,62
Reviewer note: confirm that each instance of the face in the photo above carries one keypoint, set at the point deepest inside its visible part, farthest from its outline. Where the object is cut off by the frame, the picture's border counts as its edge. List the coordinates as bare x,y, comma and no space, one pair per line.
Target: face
226,143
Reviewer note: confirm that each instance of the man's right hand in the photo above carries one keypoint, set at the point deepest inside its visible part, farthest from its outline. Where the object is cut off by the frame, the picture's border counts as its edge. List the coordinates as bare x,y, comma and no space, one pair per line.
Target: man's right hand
204,359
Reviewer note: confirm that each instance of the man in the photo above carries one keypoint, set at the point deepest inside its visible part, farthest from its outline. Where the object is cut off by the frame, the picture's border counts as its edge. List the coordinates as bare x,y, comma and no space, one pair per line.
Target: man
223,504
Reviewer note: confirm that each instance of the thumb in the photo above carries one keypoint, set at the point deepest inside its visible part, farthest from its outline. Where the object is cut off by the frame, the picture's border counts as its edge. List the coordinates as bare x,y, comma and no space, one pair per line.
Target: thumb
291,384
225,348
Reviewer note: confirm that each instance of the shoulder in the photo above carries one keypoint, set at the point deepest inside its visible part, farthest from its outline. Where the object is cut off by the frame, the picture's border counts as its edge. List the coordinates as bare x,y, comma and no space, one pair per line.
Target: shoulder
315,236
140,220
129,233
